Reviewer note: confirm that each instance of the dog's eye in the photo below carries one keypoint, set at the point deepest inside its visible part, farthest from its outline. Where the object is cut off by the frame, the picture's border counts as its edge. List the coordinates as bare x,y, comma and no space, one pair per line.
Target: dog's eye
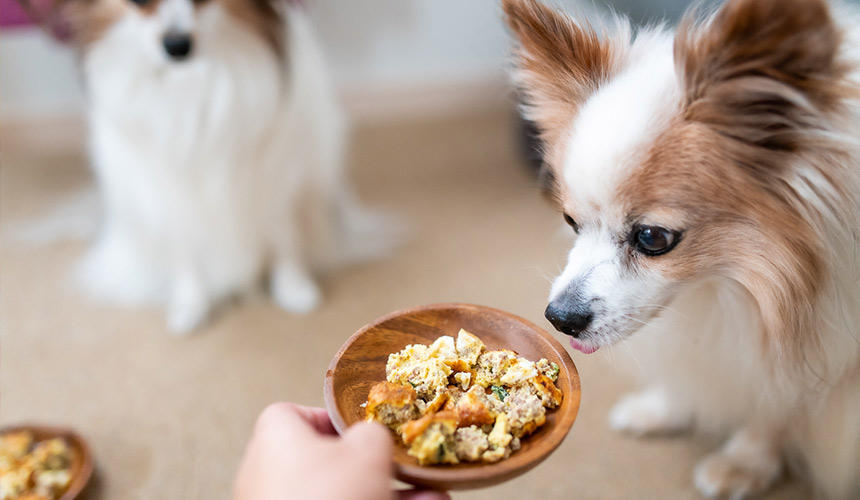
141,3
653,240
572,223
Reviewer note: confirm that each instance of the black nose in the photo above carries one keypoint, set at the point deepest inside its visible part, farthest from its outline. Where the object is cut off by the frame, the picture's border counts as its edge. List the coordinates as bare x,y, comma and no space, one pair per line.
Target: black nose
177,45
569,318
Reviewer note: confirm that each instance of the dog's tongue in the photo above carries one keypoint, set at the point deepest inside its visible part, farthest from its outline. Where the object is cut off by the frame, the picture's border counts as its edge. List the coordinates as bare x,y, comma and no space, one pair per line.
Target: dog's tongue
579,346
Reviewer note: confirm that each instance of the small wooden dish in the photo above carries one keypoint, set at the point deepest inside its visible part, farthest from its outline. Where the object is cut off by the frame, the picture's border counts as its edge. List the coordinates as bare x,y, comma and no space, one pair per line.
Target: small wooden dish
360,363
82,461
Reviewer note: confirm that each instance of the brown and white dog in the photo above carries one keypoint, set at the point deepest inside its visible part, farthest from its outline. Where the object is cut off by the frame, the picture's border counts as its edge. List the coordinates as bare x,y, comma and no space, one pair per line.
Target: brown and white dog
712,176
217,145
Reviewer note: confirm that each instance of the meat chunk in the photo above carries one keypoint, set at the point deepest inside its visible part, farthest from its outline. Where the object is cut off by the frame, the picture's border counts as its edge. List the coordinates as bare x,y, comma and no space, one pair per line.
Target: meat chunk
470,443
436,445
548,368
391,404
472,408
492,365
525,411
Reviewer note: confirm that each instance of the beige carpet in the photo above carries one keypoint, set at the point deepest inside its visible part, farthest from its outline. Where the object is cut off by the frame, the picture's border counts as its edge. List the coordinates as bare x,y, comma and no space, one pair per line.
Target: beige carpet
168,417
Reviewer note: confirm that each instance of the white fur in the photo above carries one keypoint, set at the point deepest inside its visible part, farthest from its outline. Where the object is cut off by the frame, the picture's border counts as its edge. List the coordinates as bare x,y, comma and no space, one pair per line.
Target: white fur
605,140
176,15
620,117
648,412
747,464
702,355
216,169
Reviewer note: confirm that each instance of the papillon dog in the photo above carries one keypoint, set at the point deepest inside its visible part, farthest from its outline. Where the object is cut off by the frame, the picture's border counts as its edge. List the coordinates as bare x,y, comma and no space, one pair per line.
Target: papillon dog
712,177
217,145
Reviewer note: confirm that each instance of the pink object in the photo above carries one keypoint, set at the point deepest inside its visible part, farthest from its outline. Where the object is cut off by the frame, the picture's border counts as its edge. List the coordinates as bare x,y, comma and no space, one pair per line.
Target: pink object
579,346
12,14
39,13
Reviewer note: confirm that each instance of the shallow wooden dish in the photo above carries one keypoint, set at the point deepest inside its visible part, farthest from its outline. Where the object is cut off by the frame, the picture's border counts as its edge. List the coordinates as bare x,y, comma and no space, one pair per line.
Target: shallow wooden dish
360,363
82,462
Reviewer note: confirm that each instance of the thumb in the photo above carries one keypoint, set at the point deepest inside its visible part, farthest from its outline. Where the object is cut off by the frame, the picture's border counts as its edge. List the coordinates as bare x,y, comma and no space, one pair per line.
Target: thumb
372,439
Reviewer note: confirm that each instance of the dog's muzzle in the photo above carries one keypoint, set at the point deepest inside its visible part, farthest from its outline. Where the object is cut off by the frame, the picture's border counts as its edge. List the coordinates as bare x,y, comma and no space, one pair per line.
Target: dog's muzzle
177,44
569,315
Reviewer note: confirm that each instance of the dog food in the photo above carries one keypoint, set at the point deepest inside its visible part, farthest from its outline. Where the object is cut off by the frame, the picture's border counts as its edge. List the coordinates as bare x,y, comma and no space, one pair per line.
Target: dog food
33,470
455,401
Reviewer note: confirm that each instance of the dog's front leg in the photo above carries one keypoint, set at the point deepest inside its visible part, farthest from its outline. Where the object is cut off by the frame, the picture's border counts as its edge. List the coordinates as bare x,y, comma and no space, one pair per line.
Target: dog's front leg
292,286
188,304
651,411
749,463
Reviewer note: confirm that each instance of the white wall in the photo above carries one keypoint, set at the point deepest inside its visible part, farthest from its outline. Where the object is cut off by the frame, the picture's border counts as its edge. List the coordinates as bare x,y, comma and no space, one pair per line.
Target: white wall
406,41
37,76
371,44
381,44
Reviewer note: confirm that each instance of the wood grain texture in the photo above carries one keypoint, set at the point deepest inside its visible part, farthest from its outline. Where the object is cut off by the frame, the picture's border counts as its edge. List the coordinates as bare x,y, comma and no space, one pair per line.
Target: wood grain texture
82,462
360,363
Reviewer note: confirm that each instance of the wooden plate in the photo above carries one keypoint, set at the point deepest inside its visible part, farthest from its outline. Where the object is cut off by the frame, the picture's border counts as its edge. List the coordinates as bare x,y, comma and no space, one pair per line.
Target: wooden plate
360,363
82,462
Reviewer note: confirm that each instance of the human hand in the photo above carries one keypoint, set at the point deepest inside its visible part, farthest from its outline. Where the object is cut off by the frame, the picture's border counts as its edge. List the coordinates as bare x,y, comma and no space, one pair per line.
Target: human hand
295,453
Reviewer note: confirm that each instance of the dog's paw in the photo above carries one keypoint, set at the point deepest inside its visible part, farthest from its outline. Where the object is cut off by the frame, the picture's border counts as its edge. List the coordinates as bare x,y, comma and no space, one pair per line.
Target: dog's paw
184,320
735,477
294,291
647,412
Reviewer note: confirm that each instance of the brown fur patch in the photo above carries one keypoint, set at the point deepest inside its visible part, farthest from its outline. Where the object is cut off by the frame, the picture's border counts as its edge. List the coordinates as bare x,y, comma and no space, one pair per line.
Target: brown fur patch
90,19
734,226
263,18
761,70
762,80
561,63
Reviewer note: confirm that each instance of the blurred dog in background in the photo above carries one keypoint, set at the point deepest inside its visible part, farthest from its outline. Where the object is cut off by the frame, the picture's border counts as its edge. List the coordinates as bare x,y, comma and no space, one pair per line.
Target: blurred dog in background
713,179
218,150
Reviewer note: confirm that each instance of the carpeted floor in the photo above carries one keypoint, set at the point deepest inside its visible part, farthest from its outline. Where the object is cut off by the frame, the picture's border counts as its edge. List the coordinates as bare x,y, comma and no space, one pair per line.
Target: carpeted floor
168,417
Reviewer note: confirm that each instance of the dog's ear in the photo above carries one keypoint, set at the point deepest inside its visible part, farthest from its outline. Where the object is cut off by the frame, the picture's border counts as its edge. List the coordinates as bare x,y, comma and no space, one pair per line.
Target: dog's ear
560,62
760,70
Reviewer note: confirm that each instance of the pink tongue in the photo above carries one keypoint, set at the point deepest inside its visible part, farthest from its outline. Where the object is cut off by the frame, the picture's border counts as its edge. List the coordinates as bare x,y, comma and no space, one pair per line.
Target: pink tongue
579,346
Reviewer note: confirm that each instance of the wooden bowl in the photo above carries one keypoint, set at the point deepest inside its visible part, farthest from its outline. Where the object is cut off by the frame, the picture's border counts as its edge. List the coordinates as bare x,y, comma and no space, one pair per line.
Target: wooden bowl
82,461
360,363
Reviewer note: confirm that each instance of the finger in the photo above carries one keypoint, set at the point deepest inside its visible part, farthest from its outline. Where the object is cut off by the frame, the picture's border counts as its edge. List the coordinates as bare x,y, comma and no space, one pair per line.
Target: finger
318,419
283,422
290,417
372,439
422,495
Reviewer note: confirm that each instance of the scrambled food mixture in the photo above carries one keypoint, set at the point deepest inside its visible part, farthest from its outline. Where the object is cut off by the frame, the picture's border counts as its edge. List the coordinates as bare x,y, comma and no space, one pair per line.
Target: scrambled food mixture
455,401
31,470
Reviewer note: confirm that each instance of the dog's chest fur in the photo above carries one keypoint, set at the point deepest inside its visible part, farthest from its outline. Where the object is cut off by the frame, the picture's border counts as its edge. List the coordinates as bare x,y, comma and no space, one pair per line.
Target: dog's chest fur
178,116
192,151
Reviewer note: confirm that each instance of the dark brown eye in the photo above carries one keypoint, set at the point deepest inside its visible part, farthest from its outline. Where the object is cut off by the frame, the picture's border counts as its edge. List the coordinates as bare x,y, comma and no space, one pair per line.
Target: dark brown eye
572,223
140,3
653,240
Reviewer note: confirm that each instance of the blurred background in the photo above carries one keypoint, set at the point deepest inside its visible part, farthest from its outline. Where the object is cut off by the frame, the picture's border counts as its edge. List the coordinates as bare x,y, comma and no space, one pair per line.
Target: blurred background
435,138
452,49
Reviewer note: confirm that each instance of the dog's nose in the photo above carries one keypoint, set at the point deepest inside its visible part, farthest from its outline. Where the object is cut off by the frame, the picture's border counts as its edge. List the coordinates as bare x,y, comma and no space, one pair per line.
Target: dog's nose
177,44
569,318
